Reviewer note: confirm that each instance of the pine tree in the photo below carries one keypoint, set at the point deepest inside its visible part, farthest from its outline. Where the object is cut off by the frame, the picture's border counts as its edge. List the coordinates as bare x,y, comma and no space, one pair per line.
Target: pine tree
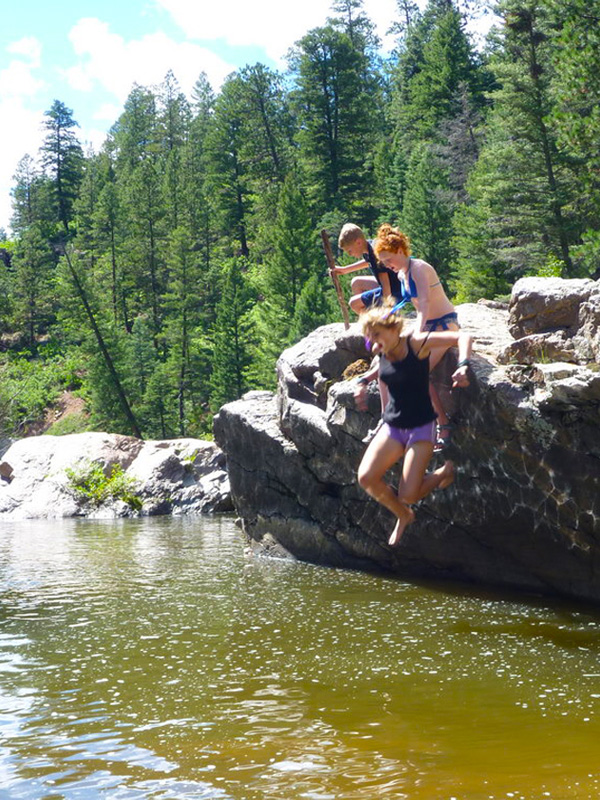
27,195
522,178
62,159
231,336
575,113
312,309
292,258
181,304
33,284
227,173
336,101
427,210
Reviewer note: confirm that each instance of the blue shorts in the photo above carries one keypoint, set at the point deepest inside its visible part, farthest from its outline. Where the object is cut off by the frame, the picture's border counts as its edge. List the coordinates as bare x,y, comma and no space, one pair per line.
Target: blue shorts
408,436
441,323
373,297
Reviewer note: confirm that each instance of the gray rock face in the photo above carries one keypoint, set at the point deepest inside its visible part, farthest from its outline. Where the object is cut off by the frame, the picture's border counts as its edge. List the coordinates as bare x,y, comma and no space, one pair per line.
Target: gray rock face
182,476
524,510
546,304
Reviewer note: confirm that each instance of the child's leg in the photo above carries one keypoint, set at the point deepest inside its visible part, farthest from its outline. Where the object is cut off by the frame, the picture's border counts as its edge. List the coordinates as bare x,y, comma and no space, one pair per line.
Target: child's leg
434,360
436,402
379,457
363,284
356,304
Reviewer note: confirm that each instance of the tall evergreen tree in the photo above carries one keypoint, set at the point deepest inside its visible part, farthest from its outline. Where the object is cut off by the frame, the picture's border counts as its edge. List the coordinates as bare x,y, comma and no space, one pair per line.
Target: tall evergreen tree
231,336
33,284
62,159
522,177
27,195
427,211
336,101
227,173
575,113
292,259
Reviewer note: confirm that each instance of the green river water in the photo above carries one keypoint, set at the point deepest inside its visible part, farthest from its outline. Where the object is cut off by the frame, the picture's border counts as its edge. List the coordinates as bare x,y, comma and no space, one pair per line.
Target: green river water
153,659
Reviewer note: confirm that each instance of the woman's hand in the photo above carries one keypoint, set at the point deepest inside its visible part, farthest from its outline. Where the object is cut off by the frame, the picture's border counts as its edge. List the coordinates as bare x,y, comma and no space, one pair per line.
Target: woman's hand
460,377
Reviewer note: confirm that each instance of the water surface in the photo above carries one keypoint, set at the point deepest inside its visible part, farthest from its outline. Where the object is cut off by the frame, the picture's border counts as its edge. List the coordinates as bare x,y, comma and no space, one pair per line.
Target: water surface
153,659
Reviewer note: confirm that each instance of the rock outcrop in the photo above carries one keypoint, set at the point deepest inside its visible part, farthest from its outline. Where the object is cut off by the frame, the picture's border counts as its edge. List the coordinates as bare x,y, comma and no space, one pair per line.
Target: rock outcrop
524,511
180,476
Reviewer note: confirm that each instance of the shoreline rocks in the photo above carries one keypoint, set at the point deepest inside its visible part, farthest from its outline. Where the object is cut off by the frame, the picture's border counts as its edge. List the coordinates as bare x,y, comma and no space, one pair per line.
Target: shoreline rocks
179,476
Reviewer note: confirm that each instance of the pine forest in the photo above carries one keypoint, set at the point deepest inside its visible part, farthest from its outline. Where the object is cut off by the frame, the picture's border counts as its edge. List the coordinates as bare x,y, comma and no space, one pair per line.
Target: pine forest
162,276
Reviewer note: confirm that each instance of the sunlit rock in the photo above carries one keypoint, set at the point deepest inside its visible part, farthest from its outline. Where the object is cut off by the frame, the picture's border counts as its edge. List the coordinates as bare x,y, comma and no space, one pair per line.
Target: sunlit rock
524,510
66,476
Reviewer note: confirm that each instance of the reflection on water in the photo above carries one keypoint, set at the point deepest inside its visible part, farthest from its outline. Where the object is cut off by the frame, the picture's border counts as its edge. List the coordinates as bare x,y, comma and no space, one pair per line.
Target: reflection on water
151,659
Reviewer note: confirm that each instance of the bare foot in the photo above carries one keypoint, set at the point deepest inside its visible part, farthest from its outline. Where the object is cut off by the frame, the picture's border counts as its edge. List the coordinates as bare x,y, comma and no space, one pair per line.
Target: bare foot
403,522
447,475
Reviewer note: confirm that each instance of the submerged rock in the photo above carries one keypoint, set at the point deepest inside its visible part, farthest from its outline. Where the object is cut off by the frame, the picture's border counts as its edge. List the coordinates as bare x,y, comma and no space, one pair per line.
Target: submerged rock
524,510
179,476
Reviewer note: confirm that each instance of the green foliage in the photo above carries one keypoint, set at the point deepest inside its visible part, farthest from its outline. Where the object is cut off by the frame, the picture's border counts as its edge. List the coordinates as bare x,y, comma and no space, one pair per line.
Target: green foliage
553,268
232,336
191,240
89,481
335,99
427,210
29,386
77,422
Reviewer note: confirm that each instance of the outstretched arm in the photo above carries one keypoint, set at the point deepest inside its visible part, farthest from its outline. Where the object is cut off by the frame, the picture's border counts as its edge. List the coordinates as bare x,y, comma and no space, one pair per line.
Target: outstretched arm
362,264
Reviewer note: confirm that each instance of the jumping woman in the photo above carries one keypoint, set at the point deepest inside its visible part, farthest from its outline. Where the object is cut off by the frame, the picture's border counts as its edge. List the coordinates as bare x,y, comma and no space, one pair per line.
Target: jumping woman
409,429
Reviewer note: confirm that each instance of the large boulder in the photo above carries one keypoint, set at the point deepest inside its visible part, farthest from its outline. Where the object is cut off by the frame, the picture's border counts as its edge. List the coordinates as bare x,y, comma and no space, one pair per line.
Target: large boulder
53,476
547,304
523,511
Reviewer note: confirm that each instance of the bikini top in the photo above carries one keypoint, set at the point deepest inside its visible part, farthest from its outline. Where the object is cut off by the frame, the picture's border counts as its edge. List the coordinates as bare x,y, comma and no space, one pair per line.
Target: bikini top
409,293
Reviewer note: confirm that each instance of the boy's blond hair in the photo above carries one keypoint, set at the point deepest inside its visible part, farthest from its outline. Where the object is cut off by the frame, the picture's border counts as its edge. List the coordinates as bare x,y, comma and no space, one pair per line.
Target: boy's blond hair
349,233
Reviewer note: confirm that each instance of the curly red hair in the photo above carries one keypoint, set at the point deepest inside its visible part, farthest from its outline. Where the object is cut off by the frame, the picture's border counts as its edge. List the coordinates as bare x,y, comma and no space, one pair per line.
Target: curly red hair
392,240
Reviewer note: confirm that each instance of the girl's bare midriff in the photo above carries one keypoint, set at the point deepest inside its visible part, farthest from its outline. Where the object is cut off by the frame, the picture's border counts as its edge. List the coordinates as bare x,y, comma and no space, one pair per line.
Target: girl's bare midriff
439,304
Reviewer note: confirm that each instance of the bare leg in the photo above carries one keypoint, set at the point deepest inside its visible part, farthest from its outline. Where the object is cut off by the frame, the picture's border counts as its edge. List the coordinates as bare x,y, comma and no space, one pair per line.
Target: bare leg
434,360
437,405
360,285
363,284
380,456
416,483
440,478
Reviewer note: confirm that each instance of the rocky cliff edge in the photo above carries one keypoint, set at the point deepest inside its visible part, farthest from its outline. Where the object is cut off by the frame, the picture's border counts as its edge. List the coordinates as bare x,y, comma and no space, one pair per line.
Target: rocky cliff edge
524,509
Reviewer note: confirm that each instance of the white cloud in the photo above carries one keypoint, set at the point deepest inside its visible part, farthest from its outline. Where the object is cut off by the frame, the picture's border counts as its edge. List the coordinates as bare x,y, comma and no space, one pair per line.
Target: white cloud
30,47
17,79
21,132
107,112
274,25
22,136
106,59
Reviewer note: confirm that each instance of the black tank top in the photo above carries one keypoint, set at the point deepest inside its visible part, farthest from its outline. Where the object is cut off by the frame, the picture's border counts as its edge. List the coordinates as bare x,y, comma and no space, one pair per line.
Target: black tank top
409,405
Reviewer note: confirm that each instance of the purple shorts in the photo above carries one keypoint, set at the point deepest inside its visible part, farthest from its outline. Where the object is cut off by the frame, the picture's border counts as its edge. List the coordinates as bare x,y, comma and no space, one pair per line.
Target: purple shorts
408,436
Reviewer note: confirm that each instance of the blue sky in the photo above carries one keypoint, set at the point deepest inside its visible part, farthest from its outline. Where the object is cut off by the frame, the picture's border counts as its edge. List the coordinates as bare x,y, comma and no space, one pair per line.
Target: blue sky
88,54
